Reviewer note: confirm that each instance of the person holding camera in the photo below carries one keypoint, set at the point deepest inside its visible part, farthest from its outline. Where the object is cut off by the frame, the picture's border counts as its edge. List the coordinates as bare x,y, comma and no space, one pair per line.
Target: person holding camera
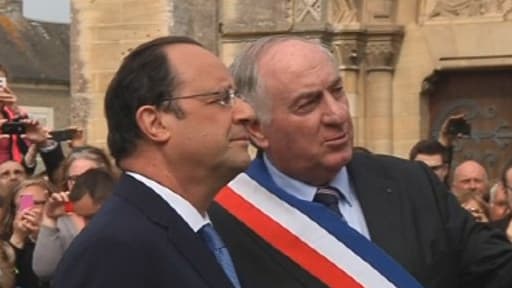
438,154
22,138
434,155
12,146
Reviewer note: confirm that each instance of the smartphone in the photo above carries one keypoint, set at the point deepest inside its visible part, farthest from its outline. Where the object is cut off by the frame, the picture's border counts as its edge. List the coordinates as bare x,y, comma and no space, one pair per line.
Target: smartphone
63,135
13,128
3,82
26,202
68,207
459,126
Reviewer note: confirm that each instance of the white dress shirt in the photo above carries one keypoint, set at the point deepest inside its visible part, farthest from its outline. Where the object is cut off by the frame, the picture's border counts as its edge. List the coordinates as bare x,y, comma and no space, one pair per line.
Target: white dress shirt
190,215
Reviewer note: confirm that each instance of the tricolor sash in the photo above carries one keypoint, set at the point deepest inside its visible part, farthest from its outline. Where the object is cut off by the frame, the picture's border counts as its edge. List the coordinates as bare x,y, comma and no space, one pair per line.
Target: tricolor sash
309,235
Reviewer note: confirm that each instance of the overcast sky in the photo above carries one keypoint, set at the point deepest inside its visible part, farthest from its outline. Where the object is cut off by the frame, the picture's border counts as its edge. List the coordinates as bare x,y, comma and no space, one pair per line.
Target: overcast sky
55,11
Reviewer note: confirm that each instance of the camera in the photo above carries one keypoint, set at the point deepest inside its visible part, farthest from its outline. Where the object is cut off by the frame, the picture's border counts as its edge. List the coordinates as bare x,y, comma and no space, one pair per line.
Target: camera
63,135
459,126
12,127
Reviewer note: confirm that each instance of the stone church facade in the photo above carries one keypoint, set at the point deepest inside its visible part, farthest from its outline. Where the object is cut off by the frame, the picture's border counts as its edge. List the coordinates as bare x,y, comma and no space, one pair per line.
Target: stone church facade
407,64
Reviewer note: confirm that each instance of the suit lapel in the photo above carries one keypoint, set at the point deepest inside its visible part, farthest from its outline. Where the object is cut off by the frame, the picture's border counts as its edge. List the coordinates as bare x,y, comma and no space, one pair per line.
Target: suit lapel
379,197
178,232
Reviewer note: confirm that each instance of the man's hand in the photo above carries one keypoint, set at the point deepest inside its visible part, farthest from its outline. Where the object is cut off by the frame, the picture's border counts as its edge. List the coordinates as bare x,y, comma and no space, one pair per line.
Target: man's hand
34,132
31,219
78,139
445,138
54,208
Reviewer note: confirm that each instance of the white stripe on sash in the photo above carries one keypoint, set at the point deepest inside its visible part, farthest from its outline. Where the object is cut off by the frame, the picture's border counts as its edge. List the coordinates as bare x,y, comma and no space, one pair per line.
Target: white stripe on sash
312,234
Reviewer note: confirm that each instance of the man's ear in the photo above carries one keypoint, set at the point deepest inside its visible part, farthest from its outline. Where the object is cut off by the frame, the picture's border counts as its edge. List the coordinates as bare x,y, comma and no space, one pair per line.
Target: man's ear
258,138
152,123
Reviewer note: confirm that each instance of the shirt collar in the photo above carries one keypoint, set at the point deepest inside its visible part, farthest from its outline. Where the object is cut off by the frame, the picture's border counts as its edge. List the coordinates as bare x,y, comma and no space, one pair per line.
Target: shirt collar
190,215
305,191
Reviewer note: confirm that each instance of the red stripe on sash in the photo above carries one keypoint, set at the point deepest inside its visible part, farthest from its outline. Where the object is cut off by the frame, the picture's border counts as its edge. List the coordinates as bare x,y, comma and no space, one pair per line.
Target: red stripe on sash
285,241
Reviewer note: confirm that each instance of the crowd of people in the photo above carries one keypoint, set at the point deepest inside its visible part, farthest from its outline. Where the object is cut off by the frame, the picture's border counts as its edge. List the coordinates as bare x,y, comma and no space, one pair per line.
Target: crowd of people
191,209
489,201
41,213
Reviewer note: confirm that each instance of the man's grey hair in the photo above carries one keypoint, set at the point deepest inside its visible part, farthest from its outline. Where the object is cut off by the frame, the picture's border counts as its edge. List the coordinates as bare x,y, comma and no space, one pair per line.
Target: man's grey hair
247,79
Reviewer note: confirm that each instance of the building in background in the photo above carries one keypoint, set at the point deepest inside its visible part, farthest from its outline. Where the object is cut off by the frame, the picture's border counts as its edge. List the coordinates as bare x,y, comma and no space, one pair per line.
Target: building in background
407,64
36,55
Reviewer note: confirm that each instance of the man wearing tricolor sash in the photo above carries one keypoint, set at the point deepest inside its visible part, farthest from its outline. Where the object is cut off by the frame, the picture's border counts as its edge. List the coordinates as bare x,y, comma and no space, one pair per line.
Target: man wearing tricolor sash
310,213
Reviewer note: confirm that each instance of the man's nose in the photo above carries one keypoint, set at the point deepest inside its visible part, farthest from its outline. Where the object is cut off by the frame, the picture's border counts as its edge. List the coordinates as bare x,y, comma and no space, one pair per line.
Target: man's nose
336,110
243,112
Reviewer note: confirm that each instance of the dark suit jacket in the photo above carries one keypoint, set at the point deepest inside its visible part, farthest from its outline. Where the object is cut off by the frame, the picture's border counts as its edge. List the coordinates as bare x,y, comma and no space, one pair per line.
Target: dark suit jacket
409,214
137,240
502,224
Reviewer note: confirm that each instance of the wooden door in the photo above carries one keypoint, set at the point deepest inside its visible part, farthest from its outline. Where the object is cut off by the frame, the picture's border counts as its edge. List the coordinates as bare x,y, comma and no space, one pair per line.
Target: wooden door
485,97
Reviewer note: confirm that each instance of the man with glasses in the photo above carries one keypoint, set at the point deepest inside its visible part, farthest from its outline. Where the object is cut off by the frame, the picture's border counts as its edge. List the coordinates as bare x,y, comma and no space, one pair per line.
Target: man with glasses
434,155
177,128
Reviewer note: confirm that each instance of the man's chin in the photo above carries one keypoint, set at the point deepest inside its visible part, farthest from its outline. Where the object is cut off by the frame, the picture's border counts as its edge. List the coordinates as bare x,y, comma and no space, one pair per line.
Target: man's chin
339,159
239,163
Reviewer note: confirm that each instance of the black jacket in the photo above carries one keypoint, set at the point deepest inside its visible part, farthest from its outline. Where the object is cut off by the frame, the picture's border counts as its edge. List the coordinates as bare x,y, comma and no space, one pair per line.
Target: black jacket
409,214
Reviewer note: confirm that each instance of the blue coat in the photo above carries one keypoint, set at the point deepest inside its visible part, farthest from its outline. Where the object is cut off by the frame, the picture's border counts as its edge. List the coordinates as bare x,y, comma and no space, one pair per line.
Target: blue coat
137,240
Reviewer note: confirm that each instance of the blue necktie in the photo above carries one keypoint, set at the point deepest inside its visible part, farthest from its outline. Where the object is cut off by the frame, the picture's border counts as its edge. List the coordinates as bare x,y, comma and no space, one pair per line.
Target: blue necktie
330,197
214,242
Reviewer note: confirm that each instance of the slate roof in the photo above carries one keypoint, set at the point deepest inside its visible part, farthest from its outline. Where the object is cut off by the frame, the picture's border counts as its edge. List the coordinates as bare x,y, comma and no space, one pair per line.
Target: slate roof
33,52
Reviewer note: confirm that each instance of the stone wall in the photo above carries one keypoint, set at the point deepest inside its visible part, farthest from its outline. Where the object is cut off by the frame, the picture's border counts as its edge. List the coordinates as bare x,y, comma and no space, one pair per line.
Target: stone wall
386,48
104,31
363,36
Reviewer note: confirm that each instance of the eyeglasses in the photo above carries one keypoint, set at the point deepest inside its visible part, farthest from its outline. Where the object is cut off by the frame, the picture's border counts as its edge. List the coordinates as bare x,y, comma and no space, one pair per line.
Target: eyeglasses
225,98
72,178
438,167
